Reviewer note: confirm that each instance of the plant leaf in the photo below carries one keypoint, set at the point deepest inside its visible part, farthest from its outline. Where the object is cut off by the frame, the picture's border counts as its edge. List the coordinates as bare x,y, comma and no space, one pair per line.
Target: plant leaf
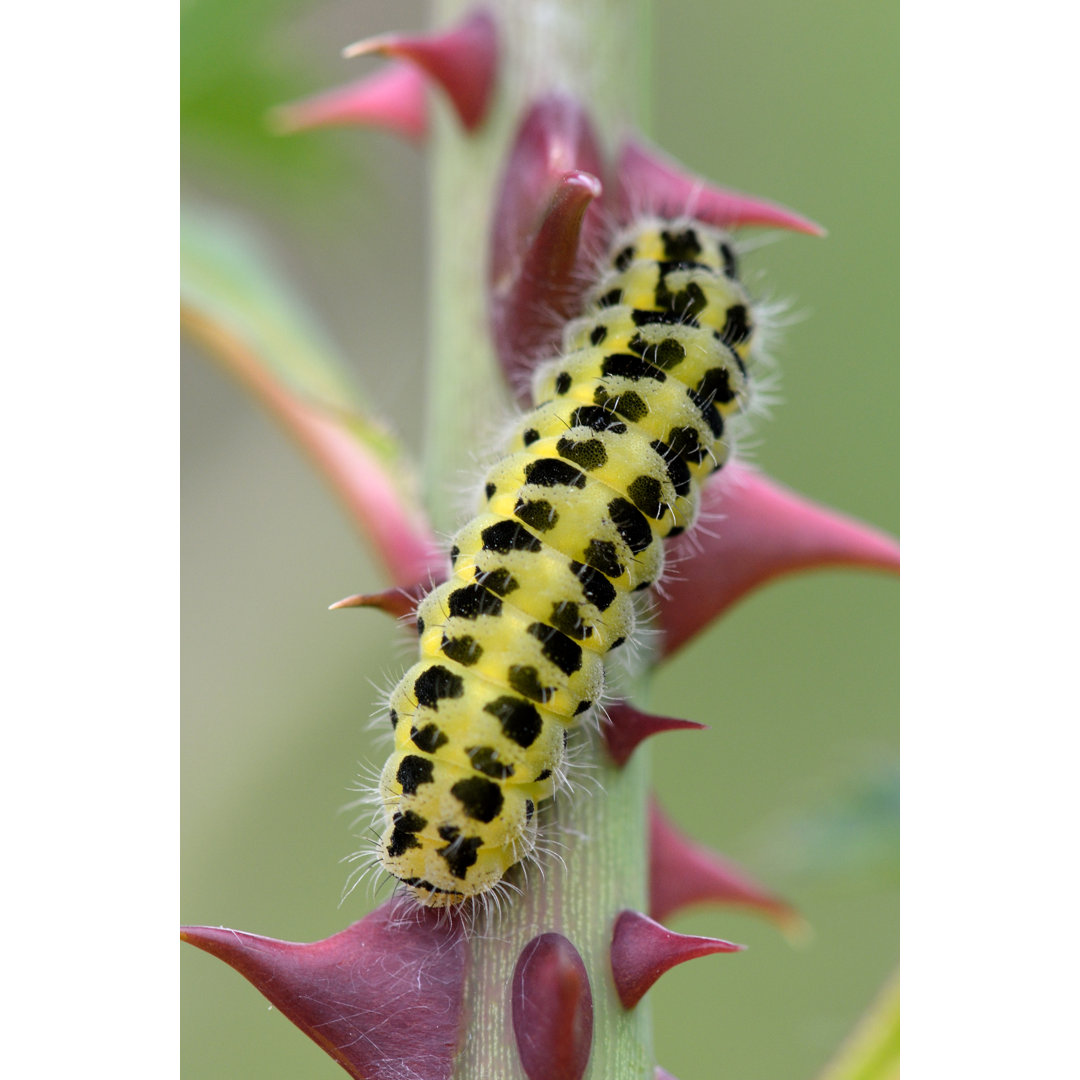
872,1050
233,305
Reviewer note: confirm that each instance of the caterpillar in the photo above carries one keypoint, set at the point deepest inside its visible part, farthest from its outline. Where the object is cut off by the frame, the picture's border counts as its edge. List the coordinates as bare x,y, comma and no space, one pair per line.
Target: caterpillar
628,421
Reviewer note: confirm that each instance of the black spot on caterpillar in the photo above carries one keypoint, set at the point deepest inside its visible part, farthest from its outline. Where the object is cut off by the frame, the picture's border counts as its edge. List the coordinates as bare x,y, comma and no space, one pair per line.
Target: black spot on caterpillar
627,424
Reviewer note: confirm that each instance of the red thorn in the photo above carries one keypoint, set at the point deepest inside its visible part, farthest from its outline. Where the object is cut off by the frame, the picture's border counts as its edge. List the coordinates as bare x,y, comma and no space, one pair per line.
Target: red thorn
383,998
626,726
552,1009
682,873
547,214
766,531
394,99
642,950
543,292
400,602
462,61
650,181
555,138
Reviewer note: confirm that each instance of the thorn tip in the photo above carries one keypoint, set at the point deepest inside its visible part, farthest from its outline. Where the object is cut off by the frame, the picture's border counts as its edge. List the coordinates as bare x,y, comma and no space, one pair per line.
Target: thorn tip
682,873
642,950
627,727
400,602
462,60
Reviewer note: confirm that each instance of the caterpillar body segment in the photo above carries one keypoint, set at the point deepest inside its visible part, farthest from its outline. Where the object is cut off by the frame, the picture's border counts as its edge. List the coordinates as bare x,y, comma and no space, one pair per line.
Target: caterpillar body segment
491,639
628,422
571,596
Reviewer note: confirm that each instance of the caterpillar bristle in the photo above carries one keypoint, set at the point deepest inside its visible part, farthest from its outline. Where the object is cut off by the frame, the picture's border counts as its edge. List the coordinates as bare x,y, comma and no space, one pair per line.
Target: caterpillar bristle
368,868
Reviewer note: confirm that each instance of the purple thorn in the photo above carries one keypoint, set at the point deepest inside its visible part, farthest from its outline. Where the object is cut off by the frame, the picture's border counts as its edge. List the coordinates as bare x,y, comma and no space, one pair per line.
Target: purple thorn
642,950
462,61
662,1074
394,99
552,1009
765,531
399,601
544,292
555,138
547,223
682,873
626,726
651,182
383,998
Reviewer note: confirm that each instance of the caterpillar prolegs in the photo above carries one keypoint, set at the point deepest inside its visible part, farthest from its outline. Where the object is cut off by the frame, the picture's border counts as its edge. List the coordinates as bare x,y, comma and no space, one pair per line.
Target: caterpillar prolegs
628,421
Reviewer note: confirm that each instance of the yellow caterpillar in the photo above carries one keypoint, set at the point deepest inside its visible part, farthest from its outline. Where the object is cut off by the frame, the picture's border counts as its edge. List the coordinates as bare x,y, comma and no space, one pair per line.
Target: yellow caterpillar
628,422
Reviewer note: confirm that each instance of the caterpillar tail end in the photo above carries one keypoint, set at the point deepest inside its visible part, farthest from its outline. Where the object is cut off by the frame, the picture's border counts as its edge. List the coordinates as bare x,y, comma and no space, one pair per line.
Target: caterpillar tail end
427,878
452,837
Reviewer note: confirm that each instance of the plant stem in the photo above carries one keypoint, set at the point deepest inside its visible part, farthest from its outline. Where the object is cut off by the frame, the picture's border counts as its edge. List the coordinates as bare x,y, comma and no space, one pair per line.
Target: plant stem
596,51
593,50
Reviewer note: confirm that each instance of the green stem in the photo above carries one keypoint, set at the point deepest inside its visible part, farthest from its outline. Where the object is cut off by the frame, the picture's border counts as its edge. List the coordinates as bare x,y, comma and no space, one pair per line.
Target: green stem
593,50
596,51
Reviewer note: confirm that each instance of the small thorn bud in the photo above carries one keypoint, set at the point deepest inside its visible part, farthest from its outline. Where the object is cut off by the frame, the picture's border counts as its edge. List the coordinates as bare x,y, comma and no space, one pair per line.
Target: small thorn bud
626,727
367,46
461,60
552,1009
398,602
642,950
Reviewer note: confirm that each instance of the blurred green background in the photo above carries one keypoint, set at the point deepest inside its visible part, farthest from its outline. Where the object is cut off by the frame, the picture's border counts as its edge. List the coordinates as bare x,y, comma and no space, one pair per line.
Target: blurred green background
797,778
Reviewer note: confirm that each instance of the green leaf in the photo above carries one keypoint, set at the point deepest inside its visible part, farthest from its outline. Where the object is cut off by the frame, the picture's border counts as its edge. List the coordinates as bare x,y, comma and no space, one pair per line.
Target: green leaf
237,309
872,1051
224,273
